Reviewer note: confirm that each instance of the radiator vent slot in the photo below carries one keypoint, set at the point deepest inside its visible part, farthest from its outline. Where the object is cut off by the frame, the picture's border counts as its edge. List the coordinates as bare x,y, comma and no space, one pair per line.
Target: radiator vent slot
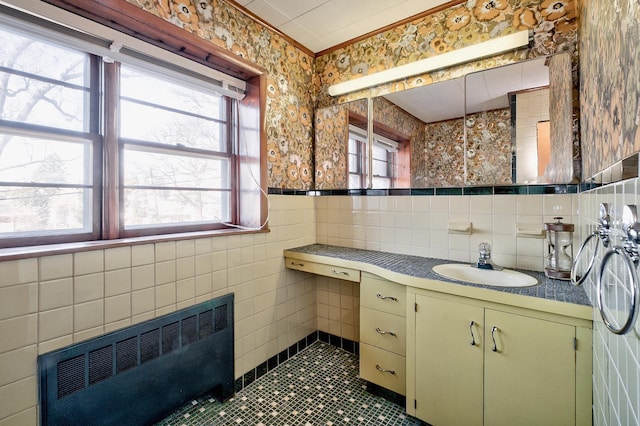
170,337
189,330
70,376
221,318
100,365
149,345
179,356
206,324
126,354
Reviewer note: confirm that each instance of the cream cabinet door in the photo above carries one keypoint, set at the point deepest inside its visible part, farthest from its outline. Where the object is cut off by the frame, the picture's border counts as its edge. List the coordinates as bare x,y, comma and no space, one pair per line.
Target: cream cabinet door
448,366
530,372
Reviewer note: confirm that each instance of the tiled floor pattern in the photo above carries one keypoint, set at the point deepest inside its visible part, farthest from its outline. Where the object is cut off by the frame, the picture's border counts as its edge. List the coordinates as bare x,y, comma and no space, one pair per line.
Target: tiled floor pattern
318,386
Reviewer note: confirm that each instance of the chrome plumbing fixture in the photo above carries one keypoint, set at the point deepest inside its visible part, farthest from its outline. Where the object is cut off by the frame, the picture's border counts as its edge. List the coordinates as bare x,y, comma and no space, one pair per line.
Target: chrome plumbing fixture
484,260
629,254
602,232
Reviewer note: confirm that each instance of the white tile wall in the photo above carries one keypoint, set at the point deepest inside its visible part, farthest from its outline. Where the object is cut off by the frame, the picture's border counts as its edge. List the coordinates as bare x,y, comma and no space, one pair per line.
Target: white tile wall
418,225
52,301
616,372
74,297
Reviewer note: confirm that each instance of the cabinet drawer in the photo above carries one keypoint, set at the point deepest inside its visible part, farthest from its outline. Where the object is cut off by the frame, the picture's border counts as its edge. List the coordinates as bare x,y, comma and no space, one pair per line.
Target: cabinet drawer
383,296
374,360
322,269
386,331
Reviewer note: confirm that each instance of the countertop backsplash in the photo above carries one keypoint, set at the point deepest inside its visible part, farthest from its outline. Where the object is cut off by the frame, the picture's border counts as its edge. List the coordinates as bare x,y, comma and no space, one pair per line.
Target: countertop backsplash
418,225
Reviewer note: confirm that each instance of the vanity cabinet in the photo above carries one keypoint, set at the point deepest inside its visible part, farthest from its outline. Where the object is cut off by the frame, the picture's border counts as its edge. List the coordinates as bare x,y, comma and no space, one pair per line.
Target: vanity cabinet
433,342
383,333
491,364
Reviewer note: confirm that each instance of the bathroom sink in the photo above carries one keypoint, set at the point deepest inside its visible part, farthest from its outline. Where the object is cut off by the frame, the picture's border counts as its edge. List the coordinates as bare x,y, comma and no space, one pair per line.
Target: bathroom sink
473,275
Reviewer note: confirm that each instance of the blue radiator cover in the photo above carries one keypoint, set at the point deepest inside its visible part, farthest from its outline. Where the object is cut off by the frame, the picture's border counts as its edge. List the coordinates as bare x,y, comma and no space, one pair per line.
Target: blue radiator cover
138,375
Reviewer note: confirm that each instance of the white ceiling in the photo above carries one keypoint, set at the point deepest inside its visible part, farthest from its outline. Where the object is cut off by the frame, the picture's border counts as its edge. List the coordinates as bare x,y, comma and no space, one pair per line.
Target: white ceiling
486,90
321,24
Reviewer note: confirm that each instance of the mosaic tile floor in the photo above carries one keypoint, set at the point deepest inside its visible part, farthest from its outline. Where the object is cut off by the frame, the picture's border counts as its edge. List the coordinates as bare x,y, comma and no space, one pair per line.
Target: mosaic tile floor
318,386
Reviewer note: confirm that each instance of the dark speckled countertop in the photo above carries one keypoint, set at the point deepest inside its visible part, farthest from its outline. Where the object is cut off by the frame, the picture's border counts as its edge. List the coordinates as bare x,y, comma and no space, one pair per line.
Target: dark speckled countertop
420,267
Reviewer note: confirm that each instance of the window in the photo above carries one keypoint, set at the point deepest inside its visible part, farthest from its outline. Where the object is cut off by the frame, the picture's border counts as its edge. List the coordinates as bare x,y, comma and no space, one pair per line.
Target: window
176,144
48,140
384,156
94,148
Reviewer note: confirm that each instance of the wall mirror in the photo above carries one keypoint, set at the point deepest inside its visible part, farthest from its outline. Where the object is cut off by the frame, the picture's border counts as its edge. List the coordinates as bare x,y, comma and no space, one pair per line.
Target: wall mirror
460,132
512,135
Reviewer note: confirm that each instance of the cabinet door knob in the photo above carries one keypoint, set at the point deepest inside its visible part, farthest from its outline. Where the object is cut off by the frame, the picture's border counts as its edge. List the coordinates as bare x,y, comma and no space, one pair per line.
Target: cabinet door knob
390,333
493,337
473,338
382,370
395,299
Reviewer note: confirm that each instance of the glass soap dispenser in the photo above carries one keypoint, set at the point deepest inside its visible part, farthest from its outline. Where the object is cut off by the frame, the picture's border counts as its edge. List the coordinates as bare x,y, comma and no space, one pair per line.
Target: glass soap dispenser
560,249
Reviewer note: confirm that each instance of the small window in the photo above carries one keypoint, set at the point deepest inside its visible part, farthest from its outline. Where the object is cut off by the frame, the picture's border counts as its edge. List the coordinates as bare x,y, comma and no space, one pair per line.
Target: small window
384,152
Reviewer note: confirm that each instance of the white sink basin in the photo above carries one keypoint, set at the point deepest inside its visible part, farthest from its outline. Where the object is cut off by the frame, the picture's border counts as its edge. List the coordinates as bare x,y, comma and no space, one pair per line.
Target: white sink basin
470,274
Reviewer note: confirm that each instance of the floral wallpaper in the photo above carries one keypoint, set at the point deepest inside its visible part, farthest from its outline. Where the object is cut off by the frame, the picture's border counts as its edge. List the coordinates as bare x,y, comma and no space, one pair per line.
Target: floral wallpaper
488,152
332,144
610,87
439,161
290,87
562,168
489,148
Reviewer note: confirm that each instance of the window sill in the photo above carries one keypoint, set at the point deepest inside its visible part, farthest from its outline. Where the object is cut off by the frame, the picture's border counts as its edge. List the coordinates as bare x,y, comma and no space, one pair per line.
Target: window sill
54,249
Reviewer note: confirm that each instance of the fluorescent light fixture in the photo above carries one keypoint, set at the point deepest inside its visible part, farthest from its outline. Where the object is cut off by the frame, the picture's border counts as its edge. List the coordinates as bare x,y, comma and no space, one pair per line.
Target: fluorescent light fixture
443,60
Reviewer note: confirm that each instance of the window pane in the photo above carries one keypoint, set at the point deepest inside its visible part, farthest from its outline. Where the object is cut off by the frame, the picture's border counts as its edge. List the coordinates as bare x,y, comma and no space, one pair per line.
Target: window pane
26,210
353,163
379,152
157,110
153,207
24,159
354,182
29,99
380,168
381,183
152,124
155,169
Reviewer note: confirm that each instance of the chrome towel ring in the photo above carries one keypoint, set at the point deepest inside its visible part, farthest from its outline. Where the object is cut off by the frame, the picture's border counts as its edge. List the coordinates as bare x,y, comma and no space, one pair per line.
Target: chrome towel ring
575,280
602,232
632,276
629,253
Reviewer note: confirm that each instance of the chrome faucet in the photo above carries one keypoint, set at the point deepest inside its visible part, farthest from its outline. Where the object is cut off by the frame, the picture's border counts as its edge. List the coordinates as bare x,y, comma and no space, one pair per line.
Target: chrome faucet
484,260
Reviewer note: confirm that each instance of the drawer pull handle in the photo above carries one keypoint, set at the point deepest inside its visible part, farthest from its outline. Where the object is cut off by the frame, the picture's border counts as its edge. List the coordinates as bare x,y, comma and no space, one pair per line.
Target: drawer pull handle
390,333
493,337
340,272
473,338
382,370
395,299
297,264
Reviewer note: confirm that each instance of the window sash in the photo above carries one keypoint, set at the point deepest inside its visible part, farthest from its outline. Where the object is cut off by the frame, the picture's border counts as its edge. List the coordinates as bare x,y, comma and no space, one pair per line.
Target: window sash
49,205
215,194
